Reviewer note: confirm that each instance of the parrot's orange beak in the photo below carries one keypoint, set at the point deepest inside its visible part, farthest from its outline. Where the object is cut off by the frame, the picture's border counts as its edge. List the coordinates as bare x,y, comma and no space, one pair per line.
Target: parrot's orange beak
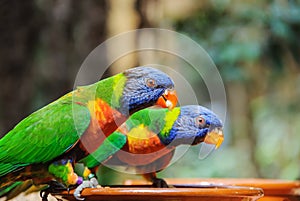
215,137
168,99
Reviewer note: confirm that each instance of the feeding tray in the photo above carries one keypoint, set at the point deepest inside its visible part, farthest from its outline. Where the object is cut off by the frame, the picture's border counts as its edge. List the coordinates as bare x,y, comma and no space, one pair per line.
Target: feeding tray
274,189
177,193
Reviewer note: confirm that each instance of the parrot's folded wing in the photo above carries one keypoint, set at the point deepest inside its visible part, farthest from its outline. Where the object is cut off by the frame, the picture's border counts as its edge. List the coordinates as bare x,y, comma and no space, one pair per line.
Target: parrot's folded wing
43,135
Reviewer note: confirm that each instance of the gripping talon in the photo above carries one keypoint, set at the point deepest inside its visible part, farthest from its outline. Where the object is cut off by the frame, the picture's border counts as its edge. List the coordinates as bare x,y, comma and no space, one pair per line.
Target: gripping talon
53,187
44,195
92,183
156,182
159,183
78,197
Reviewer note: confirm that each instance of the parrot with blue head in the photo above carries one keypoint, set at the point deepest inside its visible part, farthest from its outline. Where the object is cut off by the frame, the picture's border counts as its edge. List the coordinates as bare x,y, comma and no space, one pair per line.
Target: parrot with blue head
148,139
77,124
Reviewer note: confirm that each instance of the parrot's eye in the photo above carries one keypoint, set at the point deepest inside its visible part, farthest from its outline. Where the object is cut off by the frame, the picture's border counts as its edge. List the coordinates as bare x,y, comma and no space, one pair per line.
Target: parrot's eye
200,121
151,83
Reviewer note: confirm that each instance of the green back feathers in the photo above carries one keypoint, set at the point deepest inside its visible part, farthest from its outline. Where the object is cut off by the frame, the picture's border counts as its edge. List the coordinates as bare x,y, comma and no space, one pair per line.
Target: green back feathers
159,121
110,89
152,118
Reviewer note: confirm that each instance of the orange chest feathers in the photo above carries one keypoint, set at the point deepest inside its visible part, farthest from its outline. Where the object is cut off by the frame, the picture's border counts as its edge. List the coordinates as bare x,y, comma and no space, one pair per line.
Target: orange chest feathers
104,121
142,147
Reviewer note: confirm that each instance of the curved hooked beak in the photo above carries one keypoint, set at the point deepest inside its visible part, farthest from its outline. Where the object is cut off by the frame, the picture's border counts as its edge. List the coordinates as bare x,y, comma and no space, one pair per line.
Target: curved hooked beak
215,137
168,99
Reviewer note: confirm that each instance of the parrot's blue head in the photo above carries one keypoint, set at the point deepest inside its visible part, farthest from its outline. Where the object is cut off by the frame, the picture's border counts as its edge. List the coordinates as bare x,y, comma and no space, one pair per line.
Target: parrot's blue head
194,125
144,87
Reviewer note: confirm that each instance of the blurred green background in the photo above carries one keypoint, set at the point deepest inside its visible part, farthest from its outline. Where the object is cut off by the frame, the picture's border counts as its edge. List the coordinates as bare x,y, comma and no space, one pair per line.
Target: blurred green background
254,44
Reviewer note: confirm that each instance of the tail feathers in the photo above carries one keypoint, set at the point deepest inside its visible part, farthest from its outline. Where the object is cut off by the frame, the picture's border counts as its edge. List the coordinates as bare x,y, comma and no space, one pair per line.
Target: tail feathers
6,189
15,189
6,168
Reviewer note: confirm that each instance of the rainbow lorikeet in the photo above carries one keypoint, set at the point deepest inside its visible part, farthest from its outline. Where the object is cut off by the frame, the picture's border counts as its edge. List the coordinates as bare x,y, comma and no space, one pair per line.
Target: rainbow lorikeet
79,120
147,140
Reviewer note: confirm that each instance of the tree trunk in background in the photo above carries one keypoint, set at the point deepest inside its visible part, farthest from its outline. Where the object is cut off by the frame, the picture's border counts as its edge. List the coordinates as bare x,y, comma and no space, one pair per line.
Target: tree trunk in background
42,46
20,25
122,17
243,136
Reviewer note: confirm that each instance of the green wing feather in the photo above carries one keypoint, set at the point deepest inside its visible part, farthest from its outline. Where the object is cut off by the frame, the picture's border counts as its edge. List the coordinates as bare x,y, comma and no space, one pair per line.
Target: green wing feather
43,135
110,145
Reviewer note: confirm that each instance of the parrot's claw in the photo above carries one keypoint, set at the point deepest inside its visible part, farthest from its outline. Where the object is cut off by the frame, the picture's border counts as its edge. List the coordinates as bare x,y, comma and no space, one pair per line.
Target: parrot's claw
92,183
53,187
159,183
77,197
44,195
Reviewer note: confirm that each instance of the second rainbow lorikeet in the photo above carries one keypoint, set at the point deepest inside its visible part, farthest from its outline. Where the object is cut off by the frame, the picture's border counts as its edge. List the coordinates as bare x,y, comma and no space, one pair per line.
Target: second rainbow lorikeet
81,120
147,140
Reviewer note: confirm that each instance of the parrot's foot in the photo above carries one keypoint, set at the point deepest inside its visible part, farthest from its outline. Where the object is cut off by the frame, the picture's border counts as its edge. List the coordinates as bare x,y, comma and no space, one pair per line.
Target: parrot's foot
91,183
156,182
159,183
54,187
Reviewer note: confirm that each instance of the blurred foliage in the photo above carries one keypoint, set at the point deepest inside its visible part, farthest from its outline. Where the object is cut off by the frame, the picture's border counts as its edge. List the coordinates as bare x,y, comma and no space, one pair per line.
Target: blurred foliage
256,47
236,33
